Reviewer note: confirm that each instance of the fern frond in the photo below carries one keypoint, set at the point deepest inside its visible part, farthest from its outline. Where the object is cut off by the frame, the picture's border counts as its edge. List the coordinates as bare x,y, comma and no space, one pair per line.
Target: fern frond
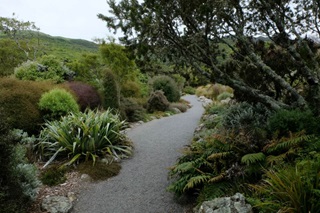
217,178
273,160
286,143
253,158
218,155
183,167
194,181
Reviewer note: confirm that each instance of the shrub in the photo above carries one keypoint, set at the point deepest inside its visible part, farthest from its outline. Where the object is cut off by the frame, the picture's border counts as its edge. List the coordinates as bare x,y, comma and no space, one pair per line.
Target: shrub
47,68
168,86
111,93
224,96
134,112
131,89
181,106
212,91
18,178
84,135
296,120
157,102
189,90
18,102
57,103
87,95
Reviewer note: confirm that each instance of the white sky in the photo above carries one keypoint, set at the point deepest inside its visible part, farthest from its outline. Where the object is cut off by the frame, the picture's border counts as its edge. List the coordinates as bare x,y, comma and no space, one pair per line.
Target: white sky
66,18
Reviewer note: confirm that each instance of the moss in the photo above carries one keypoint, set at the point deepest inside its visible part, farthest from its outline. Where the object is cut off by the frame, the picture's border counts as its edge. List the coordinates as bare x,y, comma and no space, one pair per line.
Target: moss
53,175
100,170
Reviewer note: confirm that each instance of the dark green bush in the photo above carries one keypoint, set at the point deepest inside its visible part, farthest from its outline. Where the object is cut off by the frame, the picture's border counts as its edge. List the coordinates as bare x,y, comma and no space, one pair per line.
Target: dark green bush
19,103
189,90
87,95
111,93
157,102
285,121
57,103
134,112
168,86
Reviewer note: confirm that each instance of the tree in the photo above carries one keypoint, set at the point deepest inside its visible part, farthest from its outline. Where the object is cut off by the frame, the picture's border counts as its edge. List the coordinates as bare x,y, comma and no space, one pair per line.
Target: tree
193,31
22,33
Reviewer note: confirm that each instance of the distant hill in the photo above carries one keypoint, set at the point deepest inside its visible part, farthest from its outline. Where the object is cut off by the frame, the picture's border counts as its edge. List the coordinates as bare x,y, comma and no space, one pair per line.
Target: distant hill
64,48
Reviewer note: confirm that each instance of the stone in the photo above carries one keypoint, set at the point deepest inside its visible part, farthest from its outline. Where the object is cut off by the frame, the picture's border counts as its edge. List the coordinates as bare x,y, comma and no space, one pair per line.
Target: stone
85,177
56,204
176,110
234,204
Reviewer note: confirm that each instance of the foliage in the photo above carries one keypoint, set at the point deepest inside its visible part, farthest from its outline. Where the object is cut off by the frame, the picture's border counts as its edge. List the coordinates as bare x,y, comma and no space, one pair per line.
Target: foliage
86,95
212,91
21,33
224,96
131,89
18,102
111,91
10,57
290,189
47,68
88,135
18,178
168,86
53,176
189,90
284,121
133,110
117,60
56,103
157,102
200,34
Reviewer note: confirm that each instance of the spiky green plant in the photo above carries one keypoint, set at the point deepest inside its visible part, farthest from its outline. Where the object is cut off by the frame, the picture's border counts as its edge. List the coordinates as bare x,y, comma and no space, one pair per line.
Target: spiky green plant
85,135
290,189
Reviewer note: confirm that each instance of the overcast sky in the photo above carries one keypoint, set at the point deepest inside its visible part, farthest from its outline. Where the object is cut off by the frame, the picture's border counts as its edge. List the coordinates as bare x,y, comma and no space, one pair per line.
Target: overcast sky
67,18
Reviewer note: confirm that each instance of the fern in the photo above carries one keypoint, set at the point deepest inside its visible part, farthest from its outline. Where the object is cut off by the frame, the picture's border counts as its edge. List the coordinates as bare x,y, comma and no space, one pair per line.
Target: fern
253,158
195,181
218,155
285,143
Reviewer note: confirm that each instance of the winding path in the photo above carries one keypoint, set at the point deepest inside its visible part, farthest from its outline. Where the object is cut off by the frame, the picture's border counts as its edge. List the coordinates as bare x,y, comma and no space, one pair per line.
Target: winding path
141,185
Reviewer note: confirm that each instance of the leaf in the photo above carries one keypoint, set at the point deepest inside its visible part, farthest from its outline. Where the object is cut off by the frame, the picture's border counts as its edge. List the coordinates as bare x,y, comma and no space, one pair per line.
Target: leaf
253,158
196,181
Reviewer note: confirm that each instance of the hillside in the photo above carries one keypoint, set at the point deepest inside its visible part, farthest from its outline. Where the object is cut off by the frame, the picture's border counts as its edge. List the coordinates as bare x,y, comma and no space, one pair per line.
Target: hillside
64,48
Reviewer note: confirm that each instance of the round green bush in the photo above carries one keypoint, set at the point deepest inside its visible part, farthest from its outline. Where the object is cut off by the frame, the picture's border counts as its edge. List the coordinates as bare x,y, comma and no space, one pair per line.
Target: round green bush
131,89
168,86
56,103
18,103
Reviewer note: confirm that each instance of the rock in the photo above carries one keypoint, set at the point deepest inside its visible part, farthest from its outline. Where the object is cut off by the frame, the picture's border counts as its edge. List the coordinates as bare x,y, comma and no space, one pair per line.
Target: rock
205,101
234,204
85,177
56,204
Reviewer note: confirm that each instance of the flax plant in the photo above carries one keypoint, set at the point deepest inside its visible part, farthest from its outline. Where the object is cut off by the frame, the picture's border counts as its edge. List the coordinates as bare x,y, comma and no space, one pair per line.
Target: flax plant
87,135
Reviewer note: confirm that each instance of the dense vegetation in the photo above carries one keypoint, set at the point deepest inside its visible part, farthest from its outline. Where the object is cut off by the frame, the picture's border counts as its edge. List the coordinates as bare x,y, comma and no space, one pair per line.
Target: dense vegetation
259,137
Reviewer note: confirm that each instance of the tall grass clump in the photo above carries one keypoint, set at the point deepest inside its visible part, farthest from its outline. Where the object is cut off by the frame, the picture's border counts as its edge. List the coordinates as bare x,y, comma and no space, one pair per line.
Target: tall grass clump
84,136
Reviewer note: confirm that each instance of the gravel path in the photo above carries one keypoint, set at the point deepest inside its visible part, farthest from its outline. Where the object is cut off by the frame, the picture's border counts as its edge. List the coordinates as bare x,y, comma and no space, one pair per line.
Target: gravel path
141,185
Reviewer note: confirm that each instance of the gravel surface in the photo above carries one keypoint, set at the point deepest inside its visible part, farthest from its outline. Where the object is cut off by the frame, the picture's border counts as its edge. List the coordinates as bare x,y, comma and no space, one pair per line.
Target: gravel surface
141,185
